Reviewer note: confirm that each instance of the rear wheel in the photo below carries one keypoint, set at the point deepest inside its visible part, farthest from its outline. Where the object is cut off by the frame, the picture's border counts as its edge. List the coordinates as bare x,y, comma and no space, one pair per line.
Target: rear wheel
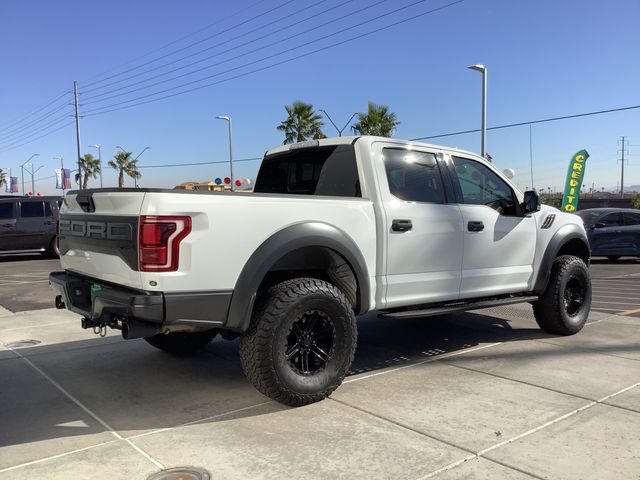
564,307
53,250
181,343
614,258
301,342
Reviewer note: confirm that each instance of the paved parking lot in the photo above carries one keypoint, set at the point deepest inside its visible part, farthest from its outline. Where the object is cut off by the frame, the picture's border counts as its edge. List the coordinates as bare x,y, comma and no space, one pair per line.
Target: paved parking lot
477,395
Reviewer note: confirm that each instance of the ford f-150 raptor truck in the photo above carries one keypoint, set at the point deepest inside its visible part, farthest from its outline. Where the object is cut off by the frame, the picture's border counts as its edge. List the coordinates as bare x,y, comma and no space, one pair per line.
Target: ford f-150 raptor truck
334,228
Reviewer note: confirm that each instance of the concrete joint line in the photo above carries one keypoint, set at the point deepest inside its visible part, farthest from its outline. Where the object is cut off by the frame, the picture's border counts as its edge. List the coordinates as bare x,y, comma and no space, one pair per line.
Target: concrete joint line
483,452
594,350
85,408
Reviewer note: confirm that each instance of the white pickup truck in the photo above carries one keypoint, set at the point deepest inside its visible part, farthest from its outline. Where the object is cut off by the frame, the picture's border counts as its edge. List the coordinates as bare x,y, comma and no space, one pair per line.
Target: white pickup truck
334,228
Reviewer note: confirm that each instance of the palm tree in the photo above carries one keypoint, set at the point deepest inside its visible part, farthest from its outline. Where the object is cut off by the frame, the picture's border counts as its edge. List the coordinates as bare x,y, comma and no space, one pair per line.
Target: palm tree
377,121
302,123
3,178
123,162
90,167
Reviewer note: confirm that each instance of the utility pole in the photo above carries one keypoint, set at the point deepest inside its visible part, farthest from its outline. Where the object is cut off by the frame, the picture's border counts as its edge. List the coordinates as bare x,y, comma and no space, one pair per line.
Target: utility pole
622,172
531,155
75,103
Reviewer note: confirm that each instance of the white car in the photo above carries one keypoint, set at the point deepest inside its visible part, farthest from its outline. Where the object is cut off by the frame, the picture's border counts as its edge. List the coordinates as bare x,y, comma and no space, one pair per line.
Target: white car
334,228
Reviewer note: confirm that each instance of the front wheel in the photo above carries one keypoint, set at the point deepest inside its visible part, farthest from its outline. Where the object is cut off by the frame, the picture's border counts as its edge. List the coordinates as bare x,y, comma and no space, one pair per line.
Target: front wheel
564,307
301,342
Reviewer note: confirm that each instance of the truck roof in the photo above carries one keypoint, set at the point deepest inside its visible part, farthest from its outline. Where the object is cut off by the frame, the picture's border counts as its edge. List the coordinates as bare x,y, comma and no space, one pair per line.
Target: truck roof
368,138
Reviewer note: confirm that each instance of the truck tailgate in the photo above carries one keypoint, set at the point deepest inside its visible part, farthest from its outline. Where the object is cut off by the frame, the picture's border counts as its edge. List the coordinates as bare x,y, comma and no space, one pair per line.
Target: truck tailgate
99,235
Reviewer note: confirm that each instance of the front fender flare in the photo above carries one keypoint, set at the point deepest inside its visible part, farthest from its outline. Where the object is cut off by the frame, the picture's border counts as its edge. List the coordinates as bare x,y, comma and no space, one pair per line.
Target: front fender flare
560,238
308,234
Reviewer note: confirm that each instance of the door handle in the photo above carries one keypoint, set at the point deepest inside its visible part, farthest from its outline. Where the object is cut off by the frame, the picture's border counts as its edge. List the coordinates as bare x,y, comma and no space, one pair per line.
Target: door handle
8,224
401,225
475,226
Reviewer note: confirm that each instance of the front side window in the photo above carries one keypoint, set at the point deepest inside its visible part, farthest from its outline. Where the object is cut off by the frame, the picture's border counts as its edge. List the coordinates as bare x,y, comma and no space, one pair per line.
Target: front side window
611,220
413,176
6,210
481,186
328,171
31,209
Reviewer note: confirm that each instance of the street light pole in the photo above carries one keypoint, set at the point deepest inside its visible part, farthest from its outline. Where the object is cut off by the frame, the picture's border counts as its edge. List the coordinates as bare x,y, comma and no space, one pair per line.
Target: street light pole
228,119
99,161
22,169
482,69
340,130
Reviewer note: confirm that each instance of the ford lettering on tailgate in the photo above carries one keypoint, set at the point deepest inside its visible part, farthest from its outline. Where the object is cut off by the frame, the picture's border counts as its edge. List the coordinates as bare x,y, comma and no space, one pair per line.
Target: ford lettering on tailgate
110,235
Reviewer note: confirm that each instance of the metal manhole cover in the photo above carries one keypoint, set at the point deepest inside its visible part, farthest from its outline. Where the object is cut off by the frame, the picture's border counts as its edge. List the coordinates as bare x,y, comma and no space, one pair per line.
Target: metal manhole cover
23,343
181,473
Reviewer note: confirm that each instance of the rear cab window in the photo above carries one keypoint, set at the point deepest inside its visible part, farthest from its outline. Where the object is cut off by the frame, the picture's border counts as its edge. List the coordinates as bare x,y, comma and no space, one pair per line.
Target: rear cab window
328,171
413,176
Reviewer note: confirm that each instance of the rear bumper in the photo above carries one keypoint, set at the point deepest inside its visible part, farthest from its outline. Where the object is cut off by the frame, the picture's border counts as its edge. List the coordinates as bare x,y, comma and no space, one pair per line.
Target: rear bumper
188,308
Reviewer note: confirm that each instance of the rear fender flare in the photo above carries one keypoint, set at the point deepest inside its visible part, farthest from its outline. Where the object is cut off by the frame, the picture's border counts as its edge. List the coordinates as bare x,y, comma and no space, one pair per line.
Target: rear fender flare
309,234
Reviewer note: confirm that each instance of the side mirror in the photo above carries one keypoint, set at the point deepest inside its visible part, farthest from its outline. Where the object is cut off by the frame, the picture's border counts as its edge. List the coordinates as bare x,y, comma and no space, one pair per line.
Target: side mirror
531,201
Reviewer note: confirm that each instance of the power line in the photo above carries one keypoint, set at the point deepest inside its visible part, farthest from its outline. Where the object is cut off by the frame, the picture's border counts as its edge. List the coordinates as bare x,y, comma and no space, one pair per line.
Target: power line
108,108
24,136
38,138
39,109
544,120
194,43
17,131
201,163
178,40
182,67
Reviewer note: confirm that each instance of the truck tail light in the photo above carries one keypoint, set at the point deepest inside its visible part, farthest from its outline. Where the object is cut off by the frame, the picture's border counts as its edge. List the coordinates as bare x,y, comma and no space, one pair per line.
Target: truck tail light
159,241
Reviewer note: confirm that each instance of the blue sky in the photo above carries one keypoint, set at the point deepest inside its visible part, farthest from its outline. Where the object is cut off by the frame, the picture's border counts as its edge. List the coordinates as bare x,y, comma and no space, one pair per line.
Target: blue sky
545,58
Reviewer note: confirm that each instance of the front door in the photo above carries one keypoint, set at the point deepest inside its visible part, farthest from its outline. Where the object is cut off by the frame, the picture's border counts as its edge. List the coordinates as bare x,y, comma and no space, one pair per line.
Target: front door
499,245
423,232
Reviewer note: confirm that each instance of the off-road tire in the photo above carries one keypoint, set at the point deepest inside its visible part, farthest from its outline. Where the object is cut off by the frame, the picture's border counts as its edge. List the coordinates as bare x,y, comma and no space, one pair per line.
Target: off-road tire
614,258
551,310
181,343
263,347
53,250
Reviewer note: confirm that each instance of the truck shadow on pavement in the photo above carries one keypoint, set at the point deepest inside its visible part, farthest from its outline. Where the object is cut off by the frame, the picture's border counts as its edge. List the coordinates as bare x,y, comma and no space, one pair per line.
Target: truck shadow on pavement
136,389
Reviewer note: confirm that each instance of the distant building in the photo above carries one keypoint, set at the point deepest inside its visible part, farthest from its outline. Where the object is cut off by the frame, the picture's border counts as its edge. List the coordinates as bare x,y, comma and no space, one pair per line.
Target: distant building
211,186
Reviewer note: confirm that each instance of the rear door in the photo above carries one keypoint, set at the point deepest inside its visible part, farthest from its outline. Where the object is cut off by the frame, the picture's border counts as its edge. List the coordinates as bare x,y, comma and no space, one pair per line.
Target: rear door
423,232
31,226
8,226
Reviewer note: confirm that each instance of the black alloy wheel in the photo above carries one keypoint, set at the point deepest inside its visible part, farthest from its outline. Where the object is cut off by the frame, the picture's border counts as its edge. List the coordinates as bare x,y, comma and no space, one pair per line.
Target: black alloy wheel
310,342
574,296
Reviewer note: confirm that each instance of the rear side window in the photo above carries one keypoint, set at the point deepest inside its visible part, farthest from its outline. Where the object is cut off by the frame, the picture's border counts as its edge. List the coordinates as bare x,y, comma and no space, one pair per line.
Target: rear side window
328,171
47,210
6,210
31,209
413,176
631,218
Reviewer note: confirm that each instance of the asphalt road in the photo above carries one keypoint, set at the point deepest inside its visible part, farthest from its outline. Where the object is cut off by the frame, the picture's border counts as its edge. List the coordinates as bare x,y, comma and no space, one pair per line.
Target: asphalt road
24,285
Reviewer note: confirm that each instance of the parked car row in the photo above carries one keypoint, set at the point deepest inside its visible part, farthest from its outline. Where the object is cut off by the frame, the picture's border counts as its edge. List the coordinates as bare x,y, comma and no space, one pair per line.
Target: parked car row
612,232
29,224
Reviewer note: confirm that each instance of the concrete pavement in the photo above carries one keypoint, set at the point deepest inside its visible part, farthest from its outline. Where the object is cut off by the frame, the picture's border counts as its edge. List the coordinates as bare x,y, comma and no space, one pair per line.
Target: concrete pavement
475,395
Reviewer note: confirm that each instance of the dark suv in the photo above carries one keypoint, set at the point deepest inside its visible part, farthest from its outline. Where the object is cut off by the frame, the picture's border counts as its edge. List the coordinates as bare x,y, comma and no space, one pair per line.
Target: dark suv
29,224
612,232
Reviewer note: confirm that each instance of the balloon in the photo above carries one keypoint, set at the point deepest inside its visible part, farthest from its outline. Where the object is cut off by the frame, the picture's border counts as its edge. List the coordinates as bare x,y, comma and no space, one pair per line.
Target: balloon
218,181
238,182
509,173
227,180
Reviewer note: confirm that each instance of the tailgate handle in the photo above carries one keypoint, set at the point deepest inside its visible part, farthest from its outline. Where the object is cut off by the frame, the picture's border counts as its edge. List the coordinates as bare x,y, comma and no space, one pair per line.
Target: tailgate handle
86,202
